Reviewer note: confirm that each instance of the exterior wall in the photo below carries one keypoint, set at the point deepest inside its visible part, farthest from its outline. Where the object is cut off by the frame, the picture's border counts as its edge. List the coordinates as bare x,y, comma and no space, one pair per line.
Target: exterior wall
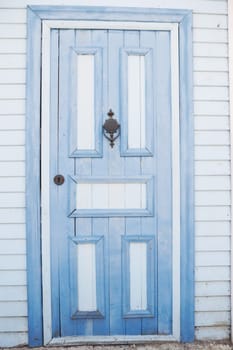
212,164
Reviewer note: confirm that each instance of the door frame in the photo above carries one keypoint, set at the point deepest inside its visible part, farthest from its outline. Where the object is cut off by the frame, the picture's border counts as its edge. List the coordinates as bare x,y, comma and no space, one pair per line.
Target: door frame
41,19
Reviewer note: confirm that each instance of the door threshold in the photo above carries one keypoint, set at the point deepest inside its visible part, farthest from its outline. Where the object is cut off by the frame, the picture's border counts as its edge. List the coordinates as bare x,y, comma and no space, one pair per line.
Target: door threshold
110,340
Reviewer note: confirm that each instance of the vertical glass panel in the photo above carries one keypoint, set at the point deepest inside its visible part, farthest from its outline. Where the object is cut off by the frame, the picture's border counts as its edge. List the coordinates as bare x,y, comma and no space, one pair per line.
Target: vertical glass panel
86,271
138,275
85,102
136,102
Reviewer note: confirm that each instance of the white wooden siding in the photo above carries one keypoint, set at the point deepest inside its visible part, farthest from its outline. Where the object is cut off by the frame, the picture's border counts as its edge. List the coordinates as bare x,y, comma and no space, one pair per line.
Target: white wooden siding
212,156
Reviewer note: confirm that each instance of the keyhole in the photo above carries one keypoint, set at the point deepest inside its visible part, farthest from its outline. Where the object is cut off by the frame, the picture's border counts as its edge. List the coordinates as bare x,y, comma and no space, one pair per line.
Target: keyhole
59,179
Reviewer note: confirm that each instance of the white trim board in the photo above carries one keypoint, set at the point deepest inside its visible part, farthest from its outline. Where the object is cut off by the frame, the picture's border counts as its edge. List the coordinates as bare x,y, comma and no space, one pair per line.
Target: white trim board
45,176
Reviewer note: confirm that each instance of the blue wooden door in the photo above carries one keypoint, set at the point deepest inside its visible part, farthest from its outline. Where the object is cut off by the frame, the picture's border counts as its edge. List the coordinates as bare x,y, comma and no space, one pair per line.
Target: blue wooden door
111,234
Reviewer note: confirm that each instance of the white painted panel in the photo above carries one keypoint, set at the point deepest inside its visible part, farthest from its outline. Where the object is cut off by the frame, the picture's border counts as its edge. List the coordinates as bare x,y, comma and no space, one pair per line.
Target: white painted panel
212,123
217,228
213,333
211,93
213,318
10,293
215,243
136,102
212,288
212,213
138,275
12,122
111,196
12,46
210,78
210,49
212,273
210,35
12,184
212,198
12,61
12,231
212,303
85,102
13,308
212,168
12,169
210,64
212,137
86,261
212,152
212,183
12,76
207,258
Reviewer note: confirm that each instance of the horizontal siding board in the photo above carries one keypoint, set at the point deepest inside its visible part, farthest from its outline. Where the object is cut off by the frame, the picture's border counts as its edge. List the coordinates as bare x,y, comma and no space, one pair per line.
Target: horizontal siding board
207,258
18,324
210,137
210,35
212,273
12,184
212,183
12,122
212,167
13,278
12,107
211,228
12,338
12,46
211,108
212,198
10,153
13,308
12,76
212,303
12,91
212,93
212,213
210,21
210,49
12,138
12,169
12,215
210,78
212,288
13,15
215,243
12,61
212,318
12,231
210,64
212,152
12,246
212,123
213,333
13,293
12,200
12,262
12,30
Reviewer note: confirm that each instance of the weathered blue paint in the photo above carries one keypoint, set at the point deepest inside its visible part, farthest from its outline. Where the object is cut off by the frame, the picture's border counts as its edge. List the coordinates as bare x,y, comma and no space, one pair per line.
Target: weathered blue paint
148,54
35,16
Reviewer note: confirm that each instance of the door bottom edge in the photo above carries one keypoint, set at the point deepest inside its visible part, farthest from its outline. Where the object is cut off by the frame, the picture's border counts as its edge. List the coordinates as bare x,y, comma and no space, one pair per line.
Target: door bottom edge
111,340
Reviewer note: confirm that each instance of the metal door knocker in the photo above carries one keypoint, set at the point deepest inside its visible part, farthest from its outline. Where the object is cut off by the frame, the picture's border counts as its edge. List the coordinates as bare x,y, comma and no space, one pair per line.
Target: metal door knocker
111,127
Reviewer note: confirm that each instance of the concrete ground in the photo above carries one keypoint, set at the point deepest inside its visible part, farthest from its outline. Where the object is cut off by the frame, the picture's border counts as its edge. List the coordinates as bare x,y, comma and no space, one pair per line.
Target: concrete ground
157,346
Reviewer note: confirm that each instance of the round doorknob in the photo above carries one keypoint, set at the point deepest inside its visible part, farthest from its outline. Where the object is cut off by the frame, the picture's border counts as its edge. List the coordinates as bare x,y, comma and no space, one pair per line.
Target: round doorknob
59,179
